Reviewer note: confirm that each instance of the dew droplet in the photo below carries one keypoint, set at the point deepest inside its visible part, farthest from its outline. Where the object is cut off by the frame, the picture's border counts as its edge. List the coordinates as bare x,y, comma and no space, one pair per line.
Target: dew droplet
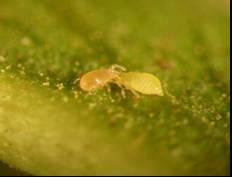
26,41
60,86
46,84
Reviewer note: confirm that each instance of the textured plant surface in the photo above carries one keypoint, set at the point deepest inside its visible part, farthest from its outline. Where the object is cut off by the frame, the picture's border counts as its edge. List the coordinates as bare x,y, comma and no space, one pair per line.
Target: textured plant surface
48,126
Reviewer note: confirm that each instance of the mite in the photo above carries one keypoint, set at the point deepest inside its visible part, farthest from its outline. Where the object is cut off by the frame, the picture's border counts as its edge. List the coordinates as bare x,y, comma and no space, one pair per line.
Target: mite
97,79
137,82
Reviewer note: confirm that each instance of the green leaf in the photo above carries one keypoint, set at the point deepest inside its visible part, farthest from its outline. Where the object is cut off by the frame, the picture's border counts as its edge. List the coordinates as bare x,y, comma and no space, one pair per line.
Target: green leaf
48,126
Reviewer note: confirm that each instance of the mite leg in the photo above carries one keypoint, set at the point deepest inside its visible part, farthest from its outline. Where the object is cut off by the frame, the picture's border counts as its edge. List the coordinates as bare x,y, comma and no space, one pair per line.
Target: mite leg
118,68
135,93
76,80
108,89
123,93
119,83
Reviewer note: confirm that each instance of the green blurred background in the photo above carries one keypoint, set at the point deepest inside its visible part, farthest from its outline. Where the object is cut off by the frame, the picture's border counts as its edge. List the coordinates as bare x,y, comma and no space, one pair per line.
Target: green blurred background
48,126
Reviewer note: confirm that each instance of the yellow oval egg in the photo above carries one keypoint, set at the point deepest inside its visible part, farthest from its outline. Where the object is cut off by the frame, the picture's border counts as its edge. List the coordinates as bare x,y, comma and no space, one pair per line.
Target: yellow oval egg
144,83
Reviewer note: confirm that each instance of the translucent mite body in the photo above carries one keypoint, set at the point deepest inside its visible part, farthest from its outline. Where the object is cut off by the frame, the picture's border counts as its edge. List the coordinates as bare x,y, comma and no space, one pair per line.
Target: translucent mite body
144,83
96,79
136,82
